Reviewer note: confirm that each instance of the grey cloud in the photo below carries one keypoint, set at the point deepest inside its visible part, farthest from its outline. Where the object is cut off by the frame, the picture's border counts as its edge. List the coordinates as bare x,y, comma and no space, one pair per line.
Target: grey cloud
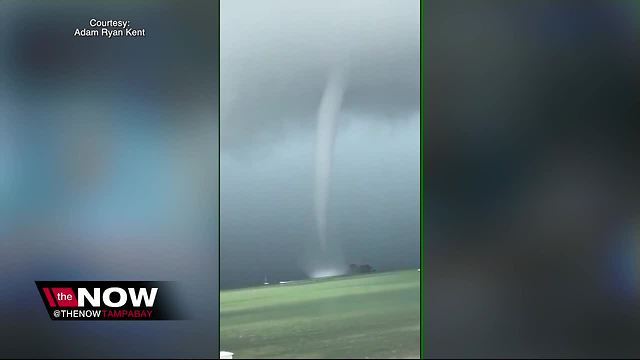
273,72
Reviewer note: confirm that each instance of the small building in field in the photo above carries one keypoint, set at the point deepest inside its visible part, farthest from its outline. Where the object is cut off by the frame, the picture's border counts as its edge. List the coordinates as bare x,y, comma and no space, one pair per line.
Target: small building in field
226,355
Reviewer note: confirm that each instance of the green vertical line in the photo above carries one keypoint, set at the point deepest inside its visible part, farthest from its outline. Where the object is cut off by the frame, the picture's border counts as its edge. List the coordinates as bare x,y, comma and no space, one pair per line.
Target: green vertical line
422,246
421,193
219,176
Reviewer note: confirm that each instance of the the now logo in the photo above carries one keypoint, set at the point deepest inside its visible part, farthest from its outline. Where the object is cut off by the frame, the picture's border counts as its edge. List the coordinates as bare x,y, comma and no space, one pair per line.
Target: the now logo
107,300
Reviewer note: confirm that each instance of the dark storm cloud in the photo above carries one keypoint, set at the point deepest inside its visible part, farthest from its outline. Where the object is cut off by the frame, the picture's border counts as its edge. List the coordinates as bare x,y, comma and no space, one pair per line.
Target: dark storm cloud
276,60
276,57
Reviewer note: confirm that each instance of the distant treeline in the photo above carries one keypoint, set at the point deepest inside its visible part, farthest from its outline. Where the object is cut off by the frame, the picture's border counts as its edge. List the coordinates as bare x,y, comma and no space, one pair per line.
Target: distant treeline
361,269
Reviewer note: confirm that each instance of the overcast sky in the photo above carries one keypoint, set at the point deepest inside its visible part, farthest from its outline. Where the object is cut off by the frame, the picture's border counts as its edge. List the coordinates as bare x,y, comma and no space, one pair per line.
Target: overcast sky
276,57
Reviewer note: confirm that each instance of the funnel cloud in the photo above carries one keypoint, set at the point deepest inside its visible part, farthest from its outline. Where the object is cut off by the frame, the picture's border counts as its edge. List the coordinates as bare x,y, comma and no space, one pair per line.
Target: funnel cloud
325,139
320,141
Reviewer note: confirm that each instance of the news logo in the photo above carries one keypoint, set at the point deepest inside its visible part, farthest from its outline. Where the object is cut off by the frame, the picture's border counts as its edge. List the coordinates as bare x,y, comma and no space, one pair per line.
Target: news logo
109,300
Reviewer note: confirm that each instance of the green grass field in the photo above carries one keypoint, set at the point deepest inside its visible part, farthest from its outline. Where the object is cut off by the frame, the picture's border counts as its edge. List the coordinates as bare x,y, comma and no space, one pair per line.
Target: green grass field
364,316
